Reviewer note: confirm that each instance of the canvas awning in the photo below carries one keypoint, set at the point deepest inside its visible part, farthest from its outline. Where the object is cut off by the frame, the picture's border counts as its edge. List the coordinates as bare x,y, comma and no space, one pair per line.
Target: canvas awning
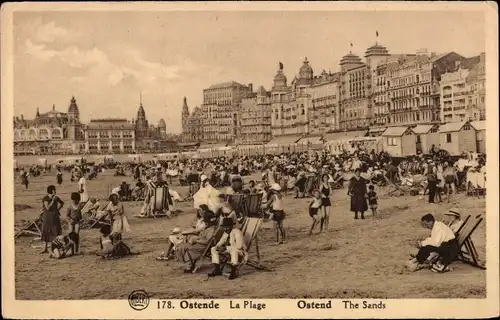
479,125
310,140
422,128
452,126
394,131
212,146
344,135
283,140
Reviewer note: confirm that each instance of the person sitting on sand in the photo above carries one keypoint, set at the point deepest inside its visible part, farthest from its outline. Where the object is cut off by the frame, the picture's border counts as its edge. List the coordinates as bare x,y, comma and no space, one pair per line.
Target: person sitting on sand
111,244
441,241
63,246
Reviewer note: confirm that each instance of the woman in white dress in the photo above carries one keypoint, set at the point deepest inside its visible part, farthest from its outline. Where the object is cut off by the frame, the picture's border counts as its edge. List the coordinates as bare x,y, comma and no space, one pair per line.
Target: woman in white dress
119,222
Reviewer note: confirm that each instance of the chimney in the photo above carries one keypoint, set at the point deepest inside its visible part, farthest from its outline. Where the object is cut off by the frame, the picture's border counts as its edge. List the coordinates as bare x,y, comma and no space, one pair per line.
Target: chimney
250,86
433,54
482,57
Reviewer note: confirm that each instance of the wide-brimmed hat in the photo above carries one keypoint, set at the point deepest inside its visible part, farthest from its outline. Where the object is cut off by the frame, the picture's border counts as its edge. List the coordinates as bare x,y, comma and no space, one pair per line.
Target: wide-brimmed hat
453,212
113,194
176,230
227,222
275,187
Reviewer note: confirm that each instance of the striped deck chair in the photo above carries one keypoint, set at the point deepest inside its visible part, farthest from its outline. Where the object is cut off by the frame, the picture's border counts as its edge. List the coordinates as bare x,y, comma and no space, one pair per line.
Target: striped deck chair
250,229
253,204
237,201
468,253
206,252
160,202
32,227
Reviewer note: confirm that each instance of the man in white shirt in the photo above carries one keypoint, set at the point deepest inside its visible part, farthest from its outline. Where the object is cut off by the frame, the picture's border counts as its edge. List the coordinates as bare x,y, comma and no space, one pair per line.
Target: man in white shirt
82,187
442,241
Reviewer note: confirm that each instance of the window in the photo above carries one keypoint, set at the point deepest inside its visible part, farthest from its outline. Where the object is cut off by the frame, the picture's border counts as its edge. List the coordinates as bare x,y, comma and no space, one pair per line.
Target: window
391,141
448,138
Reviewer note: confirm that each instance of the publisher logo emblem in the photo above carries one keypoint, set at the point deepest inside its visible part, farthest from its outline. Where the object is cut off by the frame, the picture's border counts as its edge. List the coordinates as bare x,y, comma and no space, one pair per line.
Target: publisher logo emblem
138,300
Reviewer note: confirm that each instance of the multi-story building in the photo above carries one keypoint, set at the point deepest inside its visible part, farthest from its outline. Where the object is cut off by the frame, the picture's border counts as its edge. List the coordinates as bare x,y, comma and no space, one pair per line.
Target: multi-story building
192,124
324,94
220,109
255,118
462,91
414,87
52,132
291,105
353,96
110,136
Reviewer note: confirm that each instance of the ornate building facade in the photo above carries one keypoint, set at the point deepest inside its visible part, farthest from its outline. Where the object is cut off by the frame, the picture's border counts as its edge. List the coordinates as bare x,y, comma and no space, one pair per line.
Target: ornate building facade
291,104
110,136
220,110
462,91
192,124
147,136
51,132
324,94
255,118
414,91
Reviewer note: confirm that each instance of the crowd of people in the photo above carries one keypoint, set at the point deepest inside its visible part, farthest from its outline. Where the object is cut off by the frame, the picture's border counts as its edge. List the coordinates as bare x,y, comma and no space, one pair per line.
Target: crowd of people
313,175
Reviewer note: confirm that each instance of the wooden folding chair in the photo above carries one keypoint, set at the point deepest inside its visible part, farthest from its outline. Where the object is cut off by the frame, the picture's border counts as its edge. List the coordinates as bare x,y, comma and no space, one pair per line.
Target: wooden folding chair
237,201
32,227
395,187
193,188
206,252
160,202
253,204
95,221
468,253
250,229
312,182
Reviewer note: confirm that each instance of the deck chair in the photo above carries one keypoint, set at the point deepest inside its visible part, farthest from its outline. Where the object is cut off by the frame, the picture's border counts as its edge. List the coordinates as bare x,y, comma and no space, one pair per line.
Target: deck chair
338,183
32,227
395,188
160,202
468,253
311,184
237,201
193,188
250,229
206,252
104,219
253,204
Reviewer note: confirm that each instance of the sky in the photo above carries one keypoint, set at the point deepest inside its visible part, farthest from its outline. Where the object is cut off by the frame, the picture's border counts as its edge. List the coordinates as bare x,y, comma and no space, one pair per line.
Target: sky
106,59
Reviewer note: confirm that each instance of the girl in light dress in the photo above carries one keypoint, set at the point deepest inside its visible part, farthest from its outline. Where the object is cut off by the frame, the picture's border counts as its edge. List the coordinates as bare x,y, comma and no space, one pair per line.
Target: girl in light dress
316,212
119,222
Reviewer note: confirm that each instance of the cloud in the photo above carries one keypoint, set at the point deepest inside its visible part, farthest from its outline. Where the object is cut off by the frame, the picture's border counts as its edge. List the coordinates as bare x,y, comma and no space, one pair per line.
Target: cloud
48,32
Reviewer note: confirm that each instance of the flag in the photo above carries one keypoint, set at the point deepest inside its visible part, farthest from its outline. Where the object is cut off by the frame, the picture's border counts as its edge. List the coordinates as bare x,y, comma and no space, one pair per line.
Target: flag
281,66
351,44
376,32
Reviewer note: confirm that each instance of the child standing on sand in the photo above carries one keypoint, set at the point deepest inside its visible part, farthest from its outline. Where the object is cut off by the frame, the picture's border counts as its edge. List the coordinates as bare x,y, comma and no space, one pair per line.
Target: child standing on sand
315,211
373,200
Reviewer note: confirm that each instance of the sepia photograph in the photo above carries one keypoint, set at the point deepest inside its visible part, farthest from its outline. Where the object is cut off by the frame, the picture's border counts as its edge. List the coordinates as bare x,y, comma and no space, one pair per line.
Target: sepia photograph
224,156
